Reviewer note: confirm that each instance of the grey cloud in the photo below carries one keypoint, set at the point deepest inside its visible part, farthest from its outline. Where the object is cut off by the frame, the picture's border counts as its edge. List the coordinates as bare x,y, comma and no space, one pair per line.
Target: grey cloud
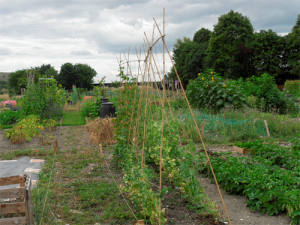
136,23
5,51
81,52
110,27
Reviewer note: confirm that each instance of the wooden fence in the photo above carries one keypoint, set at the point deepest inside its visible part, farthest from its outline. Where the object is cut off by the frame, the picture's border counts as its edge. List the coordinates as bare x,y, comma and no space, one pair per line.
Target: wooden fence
20,200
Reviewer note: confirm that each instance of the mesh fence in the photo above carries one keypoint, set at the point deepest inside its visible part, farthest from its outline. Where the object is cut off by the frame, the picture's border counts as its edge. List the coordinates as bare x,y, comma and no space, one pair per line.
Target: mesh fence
219,125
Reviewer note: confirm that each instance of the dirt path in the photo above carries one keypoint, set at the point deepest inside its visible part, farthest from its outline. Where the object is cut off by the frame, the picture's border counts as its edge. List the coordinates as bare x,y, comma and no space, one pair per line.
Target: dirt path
238,212
70,137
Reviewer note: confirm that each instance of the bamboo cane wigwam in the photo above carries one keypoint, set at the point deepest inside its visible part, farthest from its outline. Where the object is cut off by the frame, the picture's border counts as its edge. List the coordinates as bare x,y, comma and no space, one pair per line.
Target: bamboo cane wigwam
147,70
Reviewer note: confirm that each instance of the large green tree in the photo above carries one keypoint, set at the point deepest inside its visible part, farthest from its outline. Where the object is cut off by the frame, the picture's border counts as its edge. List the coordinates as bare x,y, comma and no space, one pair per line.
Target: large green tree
293,45
232,30
202,36
79,74
179,57
16,81
269,53
189,56
193,61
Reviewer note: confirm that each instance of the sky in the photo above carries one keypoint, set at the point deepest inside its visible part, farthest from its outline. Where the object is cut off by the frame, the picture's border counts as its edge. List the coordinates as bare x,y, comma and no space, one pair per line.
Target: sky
96,32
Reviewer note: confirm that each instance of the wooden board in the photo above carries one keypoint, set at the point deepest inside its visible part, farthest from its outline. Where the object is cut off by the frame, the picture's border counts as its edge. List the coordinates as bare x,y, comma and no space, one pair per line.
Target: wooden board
13,220
241,150
10,180
12,193
17,207
29,203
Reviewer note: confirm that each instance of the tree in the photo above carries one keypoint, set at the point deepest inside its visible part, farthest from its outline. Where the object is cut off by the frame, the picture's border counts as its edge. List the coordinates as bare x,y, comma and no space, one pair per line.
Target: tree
202,36
79,74
232,30
193,61
85,75
245,58
179,57
67,76
16,81
268,52
51,73
293,43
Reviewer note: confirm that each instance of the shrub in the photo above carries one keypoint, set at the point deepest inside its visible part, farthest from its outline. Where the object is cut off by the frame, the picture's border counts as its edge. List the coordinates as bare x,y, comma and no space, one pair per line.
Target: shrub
91,109
209,90
292,87
41,97
264,89
54,111
9,116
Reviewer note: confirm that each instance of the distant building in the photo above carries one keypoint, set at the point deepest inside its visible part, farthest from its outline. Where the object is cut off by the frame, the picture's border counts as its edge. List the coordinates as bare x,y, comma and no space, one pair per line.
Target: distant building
4,76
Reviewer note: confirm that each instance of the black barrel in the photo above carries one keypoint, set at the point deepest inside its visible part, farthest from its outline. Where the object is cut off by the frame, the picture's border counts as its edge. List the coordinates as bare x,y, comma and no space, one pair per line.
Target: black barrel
103,99
107,109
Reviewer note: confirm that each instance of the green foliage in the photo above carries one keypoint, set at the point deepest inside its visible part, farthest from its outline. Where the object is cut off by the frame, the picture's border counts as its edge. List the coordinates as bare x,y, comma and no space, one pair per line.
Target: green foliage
91,109
14,82
179,54
9,116
210,91
79,74
293,47
202,36
232,30
268,187
189,57
115,84
268,97
194,61
251,101
28,128
43,97
3,85
136,172
268,48
292,87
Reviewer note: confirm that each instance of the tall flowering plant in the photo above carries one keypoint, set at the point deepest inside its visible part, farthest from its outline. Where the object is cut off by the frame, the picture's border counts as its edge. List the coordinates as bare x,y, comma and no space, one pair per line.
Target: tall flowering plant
209,90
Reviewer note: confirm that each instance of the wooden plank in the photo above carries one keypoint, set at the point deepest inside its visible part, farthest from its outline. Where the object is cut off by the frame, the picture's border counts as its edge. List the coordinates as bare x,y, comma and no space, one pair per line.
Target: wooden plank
12,193
29,203
13,220
267,128
17,207
241,150
9,180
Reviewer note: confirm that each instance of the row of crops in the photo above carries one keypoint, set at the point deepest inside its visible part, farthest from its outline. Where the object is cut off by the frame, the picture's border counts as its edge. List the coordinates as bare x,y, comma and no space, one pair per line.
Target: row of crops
270,178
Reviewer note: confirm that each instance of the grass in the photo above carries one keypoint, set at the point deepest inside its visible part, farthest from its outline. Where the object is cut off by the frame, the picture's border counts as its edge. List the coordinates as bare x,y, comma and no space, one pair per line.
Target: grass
76,186
72,118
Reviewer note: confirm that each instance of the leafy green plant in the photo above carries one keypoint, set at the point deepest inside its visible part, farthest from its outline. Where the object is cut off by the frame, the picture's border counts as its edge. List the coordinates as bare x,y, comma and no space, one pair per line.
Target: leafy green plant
9,116
91,109
292,87
265,91
268,187
210,91
28,128
40,97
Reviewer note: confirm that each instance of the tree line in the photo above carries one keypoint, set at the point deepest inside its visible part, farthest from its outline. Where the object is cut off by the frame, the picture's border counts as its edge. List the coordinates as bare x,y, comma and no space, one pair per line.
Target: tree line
70,74
234,50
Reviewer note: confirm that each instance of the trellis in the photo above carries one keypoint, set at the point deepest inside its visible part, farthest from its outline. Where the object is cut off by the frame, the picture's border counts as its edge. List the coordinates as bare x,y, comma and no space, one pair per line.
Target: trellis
145,70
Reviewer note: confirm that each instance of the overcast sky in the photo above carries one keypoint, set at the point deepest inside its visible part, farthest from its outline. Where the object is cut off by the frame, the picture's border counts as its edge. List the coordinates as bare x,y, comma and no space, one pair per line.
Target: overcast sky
36,32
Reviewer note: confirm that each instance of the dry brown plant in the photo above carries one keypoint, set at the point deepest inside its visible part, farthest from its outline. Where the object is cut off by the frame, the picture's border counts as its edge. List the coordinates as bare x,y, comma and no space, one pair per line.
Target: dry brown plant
5,97
101,131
